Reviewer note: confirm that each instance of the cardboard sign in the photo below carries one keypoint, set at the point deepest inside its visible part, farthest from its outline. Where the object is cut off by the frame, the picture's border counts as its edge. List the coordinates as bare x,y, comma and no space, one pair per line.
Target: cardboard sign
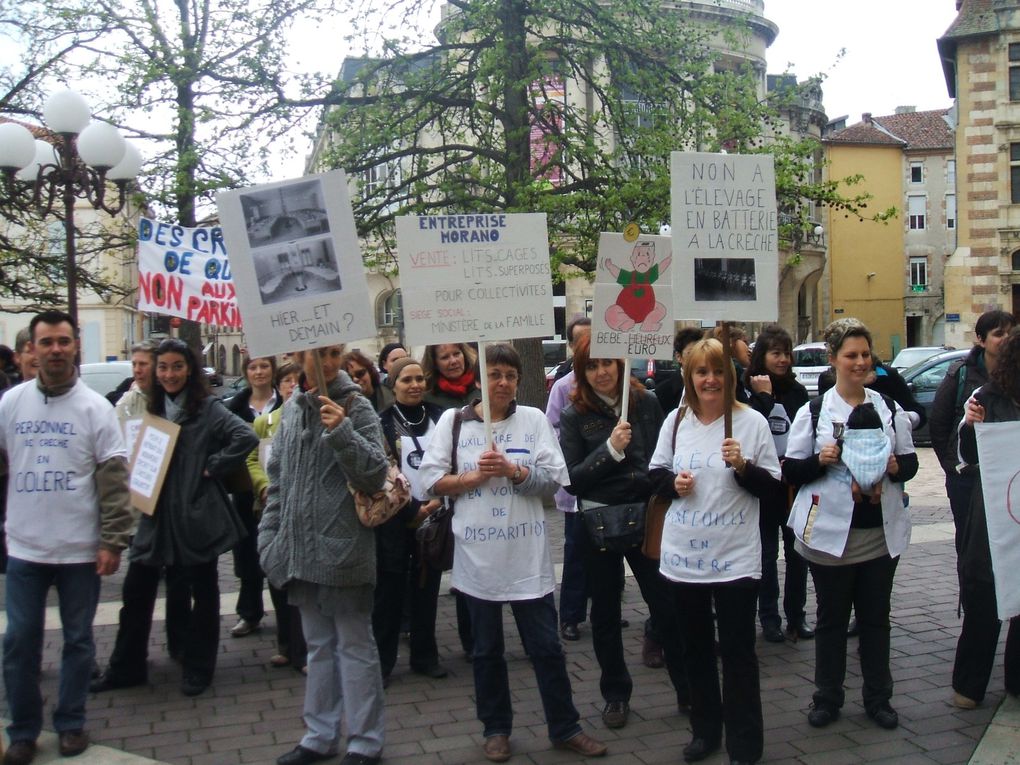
632,313
154,446
725,237
185,272
1000,484
297,264
475,277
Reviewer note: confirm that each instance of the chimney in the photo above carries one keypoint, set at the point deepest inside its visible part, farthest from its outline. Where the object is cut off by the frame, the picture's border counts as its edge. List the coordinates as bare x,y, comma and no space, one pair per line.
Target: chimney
866,117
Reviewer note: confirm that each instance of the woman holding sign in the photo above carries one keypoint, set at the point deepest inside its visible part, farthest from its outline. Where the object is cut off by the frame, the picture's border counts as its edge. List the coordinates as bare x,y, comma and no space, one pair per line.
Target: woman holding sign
407,427
607,459
850,452
711,548
502,548
996,401
194,522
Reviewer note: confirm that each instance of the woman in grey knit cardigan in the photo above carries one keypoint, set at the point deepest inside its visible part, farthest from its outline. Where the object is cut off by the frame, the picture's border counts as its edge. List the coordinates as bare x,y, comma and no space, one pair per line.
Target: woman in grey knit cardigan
312,545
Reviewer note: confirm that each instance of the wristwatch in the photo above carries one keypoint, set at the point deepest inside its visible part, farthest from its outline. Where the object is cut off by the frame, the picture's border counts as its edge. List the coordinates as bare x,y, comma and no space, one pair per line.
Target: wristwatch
517,474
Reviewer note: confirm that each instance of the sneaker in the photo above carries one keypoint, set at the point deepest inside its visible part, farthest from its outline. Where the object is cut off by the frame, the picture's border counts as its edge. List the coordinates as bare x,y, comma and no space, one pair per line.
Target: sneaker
73,742
884,715
822,714
244,628
615,714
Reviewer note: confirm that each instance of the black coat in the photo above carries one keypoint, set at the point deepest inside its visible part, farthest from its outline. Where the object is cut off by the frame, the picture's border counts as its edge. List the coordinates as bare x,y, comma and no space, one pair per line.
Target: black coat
947,408
194,520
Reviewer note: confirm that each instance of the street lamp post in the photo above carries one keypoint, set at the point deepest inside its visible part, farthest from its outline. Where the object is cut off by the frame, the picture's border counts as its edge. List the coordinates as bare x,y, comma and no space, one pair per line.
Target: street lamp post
89,155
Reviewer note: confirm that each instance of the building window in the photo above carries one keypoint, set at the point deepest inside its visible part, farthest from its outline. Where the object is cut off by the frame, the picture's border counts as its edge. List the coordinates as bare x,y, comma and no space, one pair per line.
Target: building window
1014,173
379,177
950,210
918,274
917,172
1014,71
951,173
390,309
1015,261
915,212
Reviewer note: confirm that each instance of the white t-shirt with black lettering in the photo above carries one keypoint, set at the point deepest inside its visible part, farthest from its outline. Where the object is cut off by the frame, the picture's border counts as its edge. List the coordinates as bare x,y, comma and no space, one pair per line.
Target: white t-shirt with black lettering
53,445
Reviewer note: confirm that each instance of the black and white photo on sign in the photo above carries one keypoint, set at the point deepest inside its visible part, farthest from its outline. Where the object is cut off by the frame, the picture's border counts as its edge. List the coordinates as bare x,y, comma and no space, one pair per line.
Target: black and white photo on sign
284,214
296,269
725,279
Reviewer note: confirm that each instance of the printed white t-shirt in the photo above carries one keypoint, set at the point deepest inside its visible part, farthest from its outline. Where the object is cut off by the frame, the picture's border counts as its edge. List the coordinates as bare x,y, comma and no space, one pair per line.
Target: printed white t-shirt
53,445
501,545
712,534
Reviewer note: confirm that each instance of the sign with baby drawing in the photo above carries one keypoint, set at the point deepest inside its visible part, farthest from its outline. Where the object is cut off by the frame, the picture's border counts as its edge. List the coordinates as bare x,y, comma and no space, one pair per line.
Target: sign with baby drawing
632,308
725,236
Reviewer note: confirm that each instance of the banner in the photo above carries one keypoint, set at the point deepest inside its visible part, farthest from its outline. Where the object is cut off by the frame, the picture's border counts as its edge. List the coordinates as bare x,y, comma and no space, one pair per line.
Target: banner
1000,483
185,272
297,263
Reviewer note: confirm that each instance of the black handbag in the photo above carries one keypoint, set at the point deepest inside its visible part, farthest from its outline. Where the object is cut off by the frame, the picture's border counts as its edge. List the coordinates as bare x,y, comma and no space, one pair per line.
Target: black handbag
615,528
435,534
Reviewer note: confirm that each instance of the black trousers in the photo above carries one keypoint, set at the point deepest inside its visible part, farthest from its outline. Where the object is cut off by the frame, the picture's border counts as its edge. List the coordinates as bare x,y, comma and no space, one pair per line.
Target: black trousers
602,572
975,649
867,588
200,634
246,562
290,637
959,489
390,587
772,524
738,705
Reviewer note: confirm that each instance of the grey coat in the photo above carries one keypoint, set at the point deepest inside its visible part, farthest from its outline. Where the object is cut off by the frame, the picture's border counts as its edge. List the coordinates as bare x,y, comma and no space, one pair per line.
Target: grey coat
309,529
194,520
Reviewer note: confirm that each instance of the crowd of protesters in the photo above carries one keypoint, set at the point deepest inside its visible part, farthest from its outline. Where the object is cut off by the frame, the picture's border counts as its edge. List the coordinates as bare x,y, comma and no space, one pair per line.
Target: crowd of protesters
272,475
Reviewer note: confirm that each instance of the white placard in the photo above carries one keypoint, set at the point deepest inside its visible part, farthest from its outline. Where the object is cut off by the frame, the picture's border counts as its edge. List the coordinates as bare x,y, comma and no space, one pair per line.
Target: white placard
131,428
1000,483
725,236
475,277
147,463
296,263
632,310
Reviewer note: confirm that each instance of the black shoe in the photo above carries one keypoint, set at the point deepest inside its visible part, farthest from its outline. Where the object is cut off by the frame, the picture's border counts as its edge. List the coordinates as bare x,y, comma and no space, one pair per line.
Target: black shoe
73,742
822,714
615,714
301,756
772,633
853,630
353,758
800,630
107,682
435,670
193,684
885,716
699,749
570,632
20,753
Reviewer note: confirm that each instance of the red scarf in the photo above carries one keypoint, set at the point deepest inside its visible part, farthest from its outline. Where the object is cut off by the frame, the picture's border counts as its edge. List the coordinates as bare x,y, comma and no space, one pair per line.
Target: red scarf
458,387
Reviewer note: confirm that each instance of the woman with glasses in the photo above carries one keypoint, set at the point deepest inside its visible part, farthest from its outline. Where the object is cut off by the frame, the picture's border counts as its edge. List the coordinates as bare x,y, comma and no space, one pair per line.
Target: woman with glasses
363,372
194,523
501,549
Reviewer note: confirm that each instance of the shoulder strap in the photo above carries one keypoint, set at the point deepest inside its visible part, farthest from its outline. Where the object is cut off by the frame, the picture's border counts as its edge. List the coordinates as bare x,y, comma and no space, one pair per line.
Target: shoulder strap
961,382
458,420
815,408
891,404
681,412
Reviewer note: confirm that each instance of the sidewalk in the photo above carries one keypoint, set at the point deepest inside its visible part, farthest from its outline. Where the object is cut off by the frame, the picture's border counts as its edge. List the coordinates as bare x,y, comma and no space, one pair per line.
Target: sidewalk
252,712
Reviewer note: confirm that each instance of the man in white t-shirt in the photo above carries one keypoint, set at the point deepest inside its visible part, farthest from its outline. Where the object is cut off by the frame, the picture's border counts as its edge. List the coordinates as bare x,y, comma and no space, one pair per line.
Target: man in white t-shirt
68,519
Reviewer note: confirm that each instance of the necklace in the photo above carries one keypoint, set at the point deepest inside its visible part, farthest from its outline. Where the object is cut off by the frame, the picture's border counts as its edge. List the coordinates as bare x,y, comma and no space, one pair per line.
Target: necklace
405,418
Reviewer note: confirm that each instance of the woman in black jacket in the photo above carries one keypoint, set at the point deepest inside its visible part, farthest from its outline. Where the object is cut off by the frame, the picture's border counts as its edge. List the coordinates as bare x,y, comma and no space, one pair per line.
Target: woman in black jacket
608,463
776,395
998,401
407,428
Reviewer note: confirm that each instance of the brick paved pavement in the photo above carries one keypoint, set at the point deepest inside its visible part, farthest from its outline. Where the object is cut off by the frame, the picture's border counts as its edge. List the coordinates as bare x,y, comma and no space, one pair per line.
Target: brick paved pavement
252,712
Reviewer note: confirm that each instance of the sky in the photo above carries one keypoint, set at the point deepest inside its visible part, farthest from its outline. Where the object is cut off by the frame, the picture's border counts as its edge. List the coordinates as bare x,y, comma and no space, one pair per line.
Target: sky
891,58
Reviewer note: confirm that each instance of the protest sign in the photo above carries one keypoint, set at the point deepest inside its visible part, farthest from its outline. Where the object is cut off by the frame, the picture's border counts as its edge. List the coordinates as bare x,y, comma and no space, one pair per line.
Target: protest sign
468,278
725,237
154,446
297,264
632,309
185,272
1000,484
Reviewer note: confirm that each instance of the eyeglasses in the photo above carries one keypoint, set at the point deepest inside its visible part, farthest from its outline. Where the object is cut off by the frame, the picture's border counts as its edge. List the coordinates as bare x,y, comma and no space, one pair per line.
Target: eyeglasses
358,374
510,377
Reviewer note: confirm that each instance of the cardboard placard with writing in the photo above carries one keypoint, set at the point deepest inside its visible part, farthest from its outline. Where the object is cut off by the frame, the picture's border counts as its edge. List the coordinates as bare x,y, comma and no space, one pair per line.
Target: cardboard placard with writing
297,264
1000,484
150,459
477,277
725,236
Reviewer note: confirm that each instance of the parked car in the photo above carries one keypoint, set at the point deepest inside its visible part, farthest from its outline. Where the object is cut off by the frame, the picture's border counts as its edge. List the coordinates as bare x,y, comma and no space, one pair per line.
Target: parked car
809,361
104,376
652,371
909,357
214,377
924,380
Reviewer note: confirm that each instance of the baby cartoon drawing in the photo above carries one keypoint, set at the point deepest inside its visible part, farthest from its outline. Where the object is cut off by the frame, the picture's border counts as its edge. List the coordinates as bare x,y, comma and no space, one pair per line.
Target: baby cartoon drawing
636,302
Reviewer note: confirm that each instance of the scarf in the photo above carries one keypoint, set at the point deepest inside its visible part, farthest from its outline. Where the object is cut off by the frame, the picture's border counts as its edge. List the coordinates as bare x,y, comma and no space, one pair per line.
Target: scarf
458,387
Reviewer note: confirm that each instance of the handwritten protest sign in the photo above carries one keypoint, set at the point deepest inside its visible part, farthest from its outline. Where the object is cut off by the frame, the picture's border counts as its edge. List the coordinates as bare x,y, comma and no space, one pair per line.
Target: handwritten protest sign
632,309
725,237
154,446
475,277
185,272
1000,483
297,264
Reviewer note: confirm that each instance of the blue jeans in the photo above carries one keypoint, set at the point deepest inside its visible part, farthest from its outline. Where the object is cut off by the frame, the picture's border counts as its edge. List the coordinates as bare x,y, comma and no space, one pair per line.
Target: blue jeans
574,582
536,621
78,589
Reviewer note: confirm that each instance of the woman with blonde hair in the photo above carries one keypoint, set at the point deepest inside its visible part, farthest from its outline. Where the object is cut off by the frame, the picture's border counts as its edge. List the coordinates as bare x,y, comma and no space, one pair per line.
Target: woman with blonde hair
450,372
